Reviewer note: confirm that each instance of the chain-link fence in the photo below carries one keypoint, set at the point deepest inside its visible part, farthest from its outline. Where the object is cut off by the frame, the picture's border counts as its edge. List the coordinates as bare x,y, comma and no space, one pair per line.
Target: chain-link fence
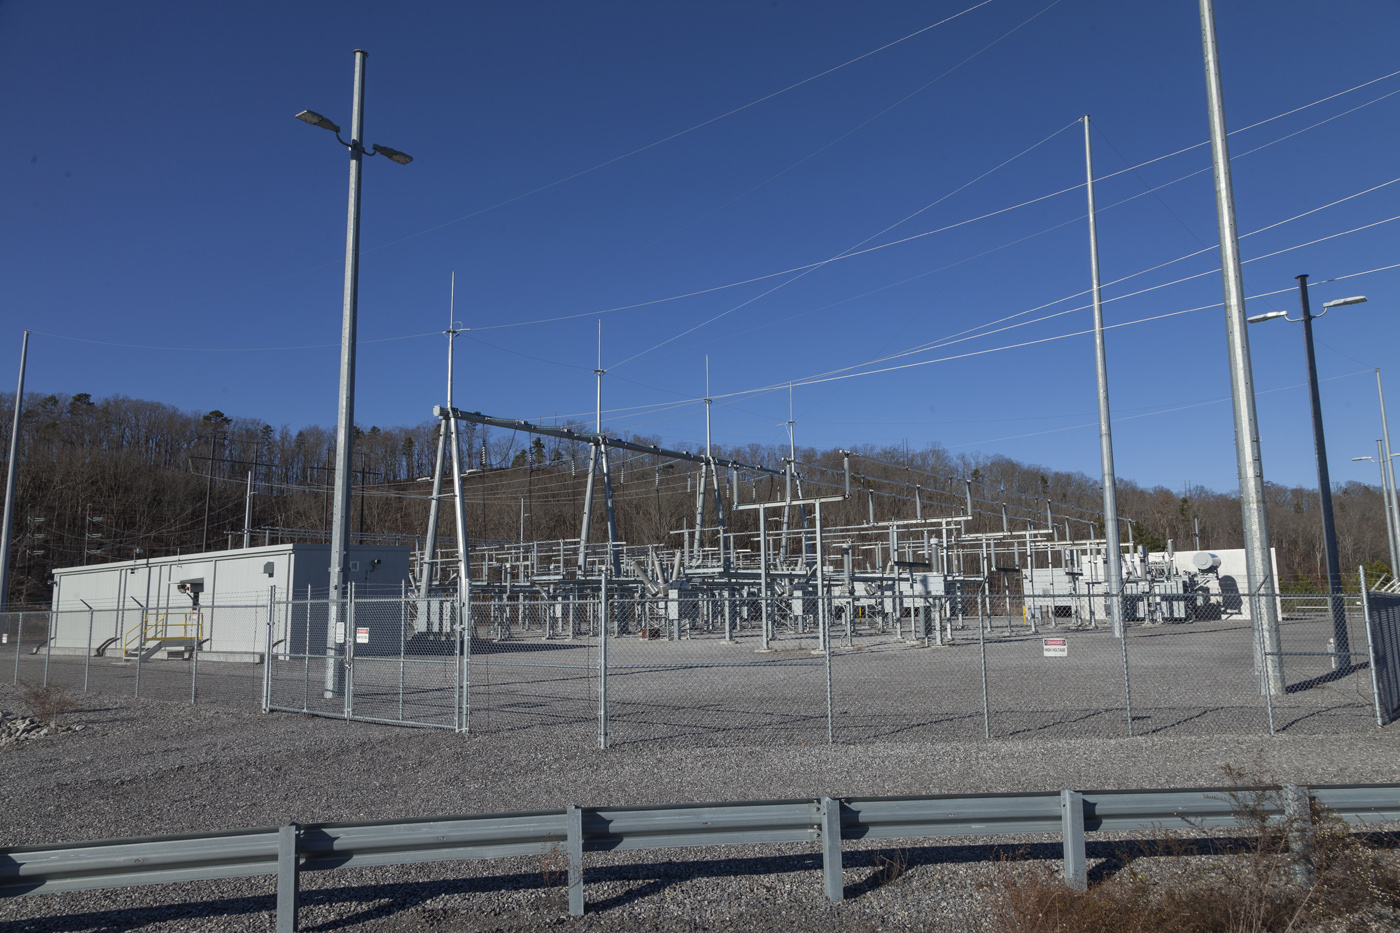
585,664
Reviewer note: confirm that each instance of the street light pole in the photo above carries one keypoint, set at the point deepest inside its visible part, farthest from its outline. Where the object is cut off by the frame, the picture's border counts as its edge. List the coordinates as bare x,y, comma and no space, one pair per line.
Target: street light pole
345,412
345,415
1341,643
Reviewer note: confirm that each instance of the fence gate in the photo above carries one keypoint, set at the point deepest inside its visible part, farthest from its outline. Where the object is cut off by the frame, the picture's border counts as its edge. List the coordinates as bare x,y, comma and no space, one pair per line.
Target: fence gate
1383,632
378,660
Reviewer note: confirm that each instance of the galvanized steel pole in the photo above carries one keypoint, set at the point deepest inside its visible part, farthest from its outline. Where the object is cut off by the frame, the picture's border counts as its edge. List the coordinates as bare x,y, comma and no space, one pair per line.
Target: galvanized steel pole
1113,562
1259,568
345,414
7,527
428,570
1385,500
1388,469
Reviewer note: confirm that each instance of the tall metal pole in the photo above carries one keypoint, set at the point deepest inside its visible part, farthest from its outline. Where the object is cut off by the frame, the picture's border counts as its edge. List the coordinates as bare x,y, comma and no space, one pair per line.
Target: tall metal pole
429,568
248,512
459,501
1388,468
1259,568
1341,642
1113,562
345,415
7,526
1385,503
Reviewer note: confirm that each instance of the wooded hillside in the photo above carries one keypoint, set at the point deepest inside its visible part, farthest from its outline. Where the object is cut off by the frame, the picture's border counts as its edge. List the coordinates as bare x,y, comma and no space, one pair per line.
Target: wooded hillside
117,478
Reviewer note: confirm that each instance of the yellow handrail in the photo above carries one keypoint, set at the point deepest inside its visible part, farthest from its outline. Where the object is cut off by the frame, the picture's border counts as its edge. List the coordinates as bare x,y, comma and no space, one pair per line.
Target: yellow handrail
187,627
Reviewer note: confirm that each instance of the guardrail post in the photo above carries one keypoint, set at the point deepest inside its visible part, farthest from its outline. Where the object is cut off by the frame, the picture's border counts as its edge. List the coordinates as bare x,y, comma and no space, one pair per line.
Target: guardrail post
829,812
574,819
288,881
1072,834
1297,811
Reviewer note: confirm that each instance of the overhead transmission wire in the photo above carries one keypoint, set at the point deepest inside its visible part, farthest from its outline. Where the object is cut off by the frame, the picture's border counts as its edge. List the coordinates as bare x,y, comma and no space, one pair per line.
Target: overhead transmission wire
850,250
579,174
980,331
677,135
850,253
794,269
1162,411
811,155
1150,190
799,268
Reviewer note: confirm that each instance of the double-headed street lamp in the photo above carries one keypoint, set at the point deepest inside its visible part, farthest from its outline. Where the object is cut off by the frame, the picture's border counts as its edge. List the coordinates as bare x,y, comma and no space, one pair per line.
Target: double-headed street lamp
345,419
1341,644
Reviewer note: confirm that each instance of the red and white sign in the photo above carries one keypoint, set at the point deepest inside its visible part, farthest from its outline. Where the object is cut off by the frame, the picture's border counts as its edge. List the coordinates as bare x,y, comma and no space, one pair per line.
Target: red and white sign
1056,648
361,636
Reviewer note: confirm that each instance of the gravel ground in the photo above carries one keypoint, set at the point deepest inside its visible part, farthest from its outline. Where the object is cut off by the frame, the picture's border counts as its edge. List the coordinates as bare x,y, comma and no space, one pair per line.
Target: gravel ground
146,767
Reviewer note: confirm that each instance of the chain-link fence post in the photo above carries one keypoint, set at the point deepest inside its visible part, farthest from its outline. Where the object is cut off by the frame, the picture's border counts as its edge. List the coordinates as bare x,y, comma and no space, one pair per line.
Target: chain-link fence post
1121,624
403,638
48,644
267,656
982,647
466,629
19,639
349,652
140,649
1261,648
87,657
603,664
194,653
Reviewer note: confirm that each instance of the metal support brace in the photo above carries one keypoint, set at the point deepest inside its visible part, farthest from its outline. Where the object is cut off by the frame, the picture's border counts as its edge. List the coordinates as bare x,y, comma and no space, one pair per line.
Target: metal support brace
288,882
830,815
574,818
1072,835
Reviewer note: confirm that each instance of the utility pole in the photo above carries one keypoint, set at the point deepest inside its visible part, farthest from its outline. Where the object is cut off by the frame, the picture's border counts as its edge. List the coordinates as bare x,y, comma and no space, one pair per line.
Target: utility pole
7,526
1113,561
1341,643
1259,567
1388,473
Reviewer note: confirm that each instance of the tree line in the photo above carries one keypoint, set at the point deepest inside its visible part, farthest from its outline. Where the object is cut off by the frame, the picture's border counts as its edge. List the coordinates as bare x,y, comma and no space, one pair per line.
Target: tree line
119,478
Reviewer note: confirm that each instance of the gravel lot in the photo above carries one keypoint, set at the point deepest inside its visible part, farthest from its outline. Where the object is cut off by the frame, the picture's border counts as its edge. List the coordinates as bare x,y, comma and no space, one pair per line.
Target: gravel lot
149,766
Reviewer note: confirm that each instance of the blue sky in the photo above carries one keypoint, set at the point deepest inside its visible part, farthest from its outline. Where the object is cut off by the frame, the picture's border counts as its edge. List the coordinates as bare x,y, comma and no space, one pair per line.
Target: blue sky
172,230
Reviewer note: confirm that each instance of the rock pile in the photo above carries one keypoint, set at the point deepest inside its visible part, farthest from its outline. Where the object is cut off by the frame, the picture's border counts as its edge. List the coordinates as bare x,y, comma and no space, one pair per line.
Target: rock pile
17,728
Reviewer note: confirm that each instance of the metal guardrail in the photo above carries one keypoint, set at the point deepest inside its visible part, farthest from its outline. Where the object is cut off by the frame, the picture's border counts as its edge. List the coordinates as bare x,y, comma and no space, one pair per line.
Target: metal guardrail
288,850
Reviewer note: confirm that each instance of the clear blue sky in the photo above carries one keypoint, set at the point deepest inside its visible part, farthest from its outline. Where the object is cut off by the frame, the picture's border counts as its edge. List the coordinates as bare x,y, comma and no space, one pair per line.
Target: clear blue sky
159,194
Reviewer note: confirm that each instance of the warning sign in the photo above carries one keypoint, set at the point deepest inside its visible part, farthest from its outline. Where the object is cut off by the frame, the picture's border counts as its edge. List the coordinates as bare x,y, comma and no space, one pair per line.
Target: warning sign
361,636
1056,648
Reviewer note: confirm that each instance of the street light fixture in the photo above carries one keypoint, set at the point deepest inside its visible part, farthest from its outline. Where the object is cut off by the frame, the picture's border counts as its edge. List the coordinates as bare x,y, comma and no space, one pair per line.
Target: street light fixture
345,420
315,119
1341,643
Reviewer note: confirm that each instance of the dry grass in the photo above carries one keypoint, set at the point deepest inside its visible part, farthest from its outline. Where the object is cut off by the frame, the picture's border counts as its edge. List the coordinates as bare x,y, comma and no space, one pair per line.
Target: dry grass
554,866
48,703
1306,872
890,865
